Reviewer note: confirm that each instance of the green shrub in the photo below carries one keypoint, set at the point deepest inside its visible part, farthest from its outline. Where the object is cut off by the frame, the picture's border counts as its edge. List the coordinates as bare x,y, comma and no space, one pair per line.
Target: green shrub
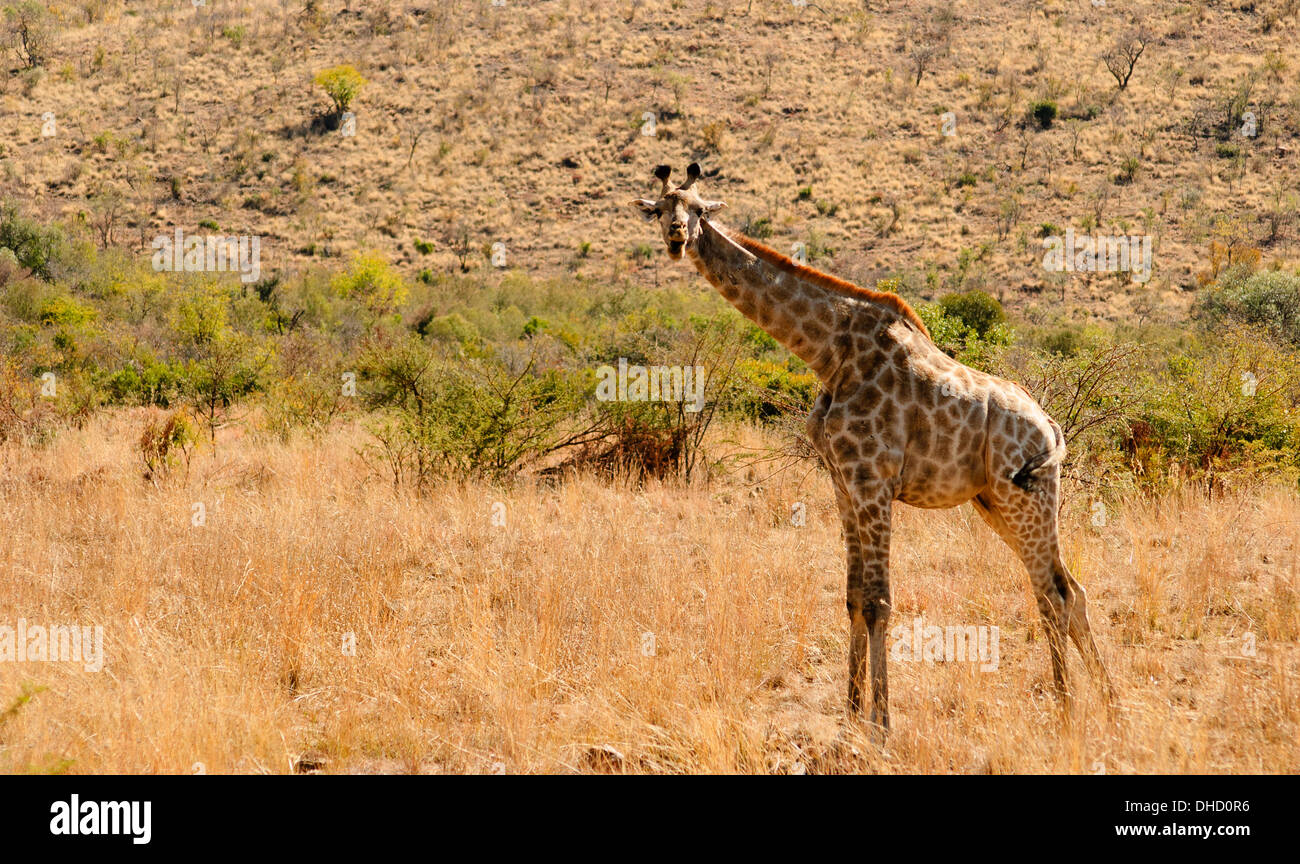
960,340
39,249
342,84
444,416
146,380
760,228
221,364
62,310
978,310
371,280
313,384
452,329
1226,406
1128,170
765,390
1063,342
1269,299
1044,113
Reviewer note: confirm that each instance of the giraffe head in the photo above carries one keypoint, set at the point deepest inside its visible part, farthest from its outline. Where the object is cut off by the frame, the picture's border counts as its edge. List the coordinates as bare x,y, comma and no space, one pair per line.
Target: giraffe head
678,210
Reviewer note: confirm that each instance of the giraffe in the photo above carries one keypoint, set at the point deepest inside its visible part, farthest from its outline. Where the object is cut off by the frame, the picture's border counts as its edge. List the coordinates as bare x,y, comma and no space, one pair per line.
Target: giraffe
896,420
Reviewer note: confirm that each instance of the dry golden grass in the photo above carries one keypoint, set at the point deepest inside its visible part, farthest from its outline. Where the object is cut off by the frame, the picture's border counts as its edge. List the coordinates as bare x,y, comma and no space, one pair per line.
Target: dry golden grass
520,647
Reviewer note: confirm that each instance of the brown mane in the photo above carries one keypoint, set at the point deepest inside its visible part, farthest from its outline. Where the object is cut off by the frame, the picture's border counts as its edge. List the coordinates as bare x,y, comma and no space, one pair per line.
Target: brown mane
832,283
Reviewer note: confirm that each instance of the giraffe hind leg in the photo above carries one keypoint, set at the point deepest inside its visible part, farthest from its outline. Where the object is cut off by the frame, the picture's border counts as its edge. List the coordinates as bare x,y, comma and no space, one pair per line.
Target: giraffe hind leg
994,520
1076,617
1020,523
1052,606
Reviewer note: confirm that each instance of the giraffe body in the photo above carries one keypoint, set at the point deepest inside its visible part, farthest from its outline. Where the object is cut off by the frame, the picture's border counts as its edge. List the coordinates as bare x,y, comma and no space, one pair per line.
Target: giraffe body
897,420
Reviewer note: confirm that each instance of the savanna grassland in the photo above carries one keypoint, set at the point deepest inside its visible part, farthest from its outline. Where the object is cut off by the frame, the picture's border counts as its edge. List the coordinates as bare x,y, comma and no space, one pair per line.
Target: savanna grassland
482,646
363,511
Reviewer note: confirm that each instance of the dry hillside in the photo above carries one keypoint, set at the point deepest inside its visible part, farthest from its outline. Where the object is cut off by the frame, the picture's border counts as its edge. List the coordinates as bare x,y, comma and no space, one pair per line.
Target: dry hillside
522,123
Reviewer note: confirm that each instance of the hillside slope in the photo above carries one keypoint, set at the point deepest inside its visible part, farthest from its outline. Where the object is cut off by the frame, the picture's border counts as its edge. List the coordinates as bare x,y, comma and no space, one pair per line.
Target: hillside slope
523,124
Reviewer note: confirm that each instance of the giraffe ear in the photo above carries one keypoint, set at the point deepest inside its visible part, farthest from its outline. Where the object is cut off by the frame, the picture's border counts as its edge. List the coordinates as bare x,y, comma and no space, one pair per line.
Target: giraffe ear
712,206
648,209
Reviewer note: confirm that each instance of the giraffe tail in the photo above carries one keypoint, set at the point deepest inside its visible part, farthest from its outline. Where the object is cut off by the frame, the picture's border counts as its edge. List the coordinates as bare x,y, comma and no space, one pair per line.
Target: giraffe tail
1037,467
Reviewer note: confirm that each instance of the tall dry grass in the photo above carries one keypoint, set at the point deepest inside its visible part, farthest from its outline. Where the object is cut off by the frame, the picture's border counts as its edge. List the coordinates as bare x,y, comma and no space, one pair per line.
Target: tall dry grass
523,647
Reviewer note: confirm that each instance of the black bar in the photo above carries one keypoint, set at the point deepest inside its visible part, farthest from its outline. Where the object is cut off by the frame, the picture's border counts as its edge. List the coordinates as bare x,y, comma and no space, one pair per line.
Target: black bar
300,814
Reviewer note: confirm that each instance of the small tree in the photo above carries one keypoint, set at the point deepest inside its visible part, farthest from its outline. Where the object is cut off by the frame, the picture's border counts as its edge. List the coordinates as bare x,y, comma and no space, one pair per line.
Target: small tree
341,84
929,39
1123,55
28,32
922,57
106,206
35,247
221,364
372,281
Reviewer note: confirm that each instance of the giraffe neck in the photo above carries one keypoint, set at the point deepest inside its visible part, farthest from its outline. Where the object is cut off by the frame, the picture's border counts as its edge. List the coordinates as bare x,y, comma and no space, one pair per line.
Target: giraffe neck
797,306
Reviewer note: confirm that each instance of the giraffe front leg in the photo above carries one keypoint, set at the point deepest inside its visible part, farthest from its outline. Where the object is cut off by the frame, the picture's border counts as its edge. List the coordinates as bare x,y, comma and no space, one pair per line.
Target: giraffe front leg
868,603
859,639
858,645
869,621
